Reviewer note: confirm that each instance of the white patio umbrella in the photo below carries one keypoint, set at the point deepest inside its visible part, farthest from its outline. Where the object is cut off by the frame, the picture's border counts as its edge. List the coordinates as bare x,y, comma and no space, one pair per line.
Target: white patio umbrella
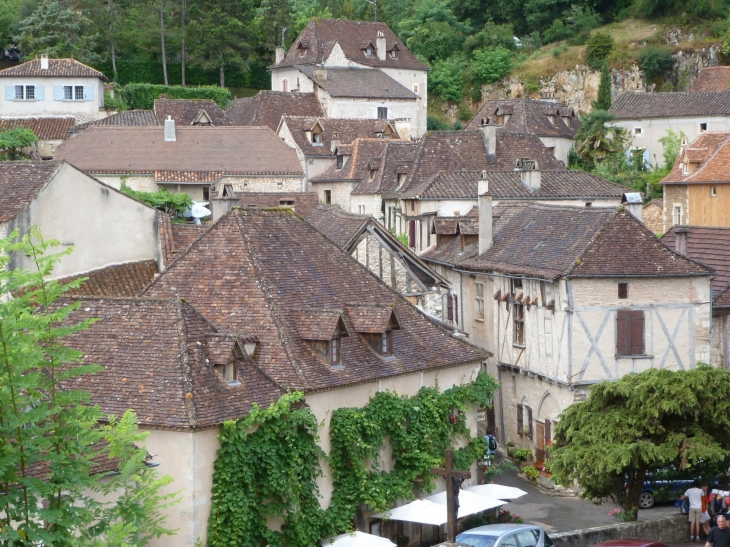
356,539
469,503
497,491
432,510
199,210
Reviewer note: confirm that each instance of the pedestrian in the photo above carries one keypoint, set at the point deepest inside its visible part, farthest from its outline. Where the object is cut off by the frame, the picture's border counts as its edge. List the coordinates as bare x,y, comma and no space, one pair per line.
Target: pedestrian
706,502
694,495
719,536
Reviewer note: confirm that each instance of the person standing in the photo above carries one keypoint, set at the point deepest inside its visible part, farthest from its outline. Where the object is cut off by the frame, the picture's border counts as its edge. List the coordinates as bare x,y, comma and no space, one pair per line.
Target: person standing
694,495
719,536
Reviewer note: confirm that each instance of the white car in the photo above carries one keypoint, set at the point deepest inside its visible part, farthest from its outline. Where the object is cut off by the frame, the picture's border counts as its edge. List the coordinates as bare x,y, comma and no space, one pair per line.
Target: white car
505,535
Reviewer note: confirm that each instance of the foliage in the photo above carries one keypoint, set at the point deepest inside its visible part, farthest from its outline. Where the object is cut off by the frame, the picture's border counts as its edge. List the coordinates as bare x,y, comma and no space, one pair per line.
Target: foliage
434,124
598,48
432,31
403,238
268,463
671,142
531,472
641,422
491,65
49,434
624,516
14,140
603,100
491,36
495,468
523,454
655,61
510,444
597,139
164,200
489,517
577,21
142,96
446,79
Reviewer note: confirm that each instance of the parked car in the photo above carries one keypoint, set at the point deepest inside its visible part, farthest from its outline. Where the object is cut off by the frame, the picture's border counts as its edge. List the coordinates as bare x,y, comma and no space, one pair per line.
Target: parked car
505,535
630,543
12,54
667,485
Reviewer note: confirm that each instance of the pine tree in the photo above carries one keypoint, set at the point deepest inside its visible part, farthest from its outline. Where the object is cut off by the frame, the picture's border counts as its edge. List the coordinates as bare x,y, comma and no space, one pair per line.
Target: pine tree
603,101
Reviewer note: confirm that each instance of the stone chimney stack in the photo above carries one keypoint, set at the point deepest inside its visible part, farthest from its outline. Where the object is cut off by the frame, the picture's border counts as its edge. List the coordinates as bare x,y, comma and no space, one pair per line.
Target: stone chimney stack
680,241
529,173
485,215
279,54
380,45
634,204
334,141
170,130
320,73
490,138
44,62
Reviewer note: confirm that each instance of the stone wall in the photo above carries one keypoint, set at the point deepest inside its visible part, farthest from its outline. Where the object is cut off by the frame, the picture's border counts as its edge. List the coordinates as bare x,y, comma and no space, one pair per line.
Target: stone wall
675,194
653,216
665,530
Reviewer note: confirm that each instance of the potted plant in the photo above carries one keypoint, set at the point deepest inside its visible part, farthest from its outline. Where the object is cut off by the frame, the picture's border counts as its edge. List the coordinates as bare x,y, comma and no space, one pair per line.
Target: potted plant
402,540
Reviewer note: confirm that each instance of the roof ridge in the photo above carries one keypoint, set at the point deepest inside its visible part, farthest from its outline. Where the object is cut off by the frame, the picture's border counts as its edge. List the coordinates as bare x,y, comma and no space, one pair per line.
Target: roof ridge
712,156
186,367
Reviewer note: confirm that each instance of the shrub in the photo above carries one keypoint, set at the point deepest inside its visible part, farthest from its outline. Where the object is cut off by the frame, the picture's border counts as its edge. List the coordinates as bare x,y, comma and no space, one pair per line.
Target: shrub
14,140
558,51
510,444
488,517
598,48
142,96
655,61
491,65
446,79
523,454
164,200
531,472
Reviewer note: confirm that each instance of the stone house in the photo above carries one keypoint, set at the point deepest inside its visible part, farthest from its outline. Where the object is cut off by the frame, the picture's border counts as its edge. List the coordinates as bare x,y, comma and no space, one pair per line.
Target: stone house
653,215
320,142
104,226
193,159
697,189
260,288
565,297
711,247
52,87
51,132
357,69
267,108
712,78
555,124
648,117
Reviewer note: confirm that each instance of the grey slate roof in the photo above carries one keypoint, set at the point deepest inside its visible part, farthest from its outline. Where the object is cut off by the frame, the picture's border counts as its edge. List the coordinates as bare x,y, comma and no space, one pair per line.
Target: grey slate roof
358,83
671,105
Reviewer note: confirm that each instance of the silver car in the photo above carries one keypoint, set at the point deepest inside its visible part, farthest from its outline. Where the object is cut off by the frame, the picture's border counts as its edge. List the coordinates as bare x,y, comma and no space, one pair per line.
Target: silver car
505,535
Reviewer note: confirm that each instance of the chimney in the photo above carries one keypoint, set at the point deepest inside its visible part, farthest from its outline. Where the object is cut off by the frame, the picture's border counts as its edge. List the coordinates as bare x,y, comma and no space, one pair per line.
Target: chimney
320,73
485,215
490,138
279,54
44,62
634,203
529,173
170,130
380,45
680,241
334,141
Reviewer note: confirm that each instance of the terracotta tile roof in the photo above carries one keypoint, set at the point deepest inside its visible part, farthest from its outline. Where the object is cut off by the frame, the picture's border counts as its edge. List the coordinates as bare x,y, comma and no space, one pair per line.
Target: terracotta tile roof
373,318
302,202
187,176
445,226
396,157
20,183
126,118
117,280
452,252
341,228
46,129
358,83
66,68
670,105
459,150
154,356
254,268
167,241
712,78
347,130
176,238
362,162
188,111
268,107
321,35
528,116
318,324
712,151
144,150
711,247
566,184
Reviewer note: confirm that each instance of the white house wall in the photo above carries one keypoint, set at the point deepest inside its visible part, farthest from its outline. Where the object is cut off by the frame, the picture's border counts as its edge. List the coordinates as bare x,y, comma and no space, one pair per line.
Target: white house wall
83,111
295,79
367,204
367,109
561,147
409,78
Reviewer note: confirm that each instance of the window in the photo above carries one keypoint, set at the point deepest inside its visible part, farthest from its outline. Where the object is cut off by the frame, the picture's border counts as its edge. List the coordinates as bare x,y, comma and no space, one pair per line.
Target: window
551,149
415,89
368,52
30,92
713,192
630,332
515,284
19,93
623,290
229,371
520,418
340,161
528,538
479,301
509,541
401,178
206,193
26,93
334,351
286,202
361,209
678,215
386,343
703,126
382,112
412,234
285,85
228,191
317,138
637,130
392,54
518,332
68,93
685,168
328,196
79,93
552,120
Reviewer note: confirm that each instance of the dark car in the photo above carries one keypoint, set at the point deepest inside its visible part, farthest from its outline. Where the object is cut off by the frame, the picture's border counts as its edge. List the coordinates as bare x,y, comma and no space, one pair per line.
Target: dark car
630,543
12,54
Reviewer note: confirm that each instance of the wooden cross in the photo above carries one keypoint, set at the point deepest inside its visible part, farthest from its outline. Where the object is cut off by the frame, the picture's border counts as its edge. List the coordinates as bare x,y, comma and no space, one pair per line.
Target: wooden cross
453,483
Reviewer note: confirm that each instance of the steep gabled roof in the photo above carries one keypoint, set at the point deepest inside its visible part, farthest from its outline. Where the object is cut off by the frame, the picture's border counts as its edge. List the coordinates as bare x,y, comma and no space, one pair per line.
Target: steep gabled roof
126,279
188,111
346,129
396,158
711,150
528,116
126,118
364,160
254,268
46,129
267,108
712,78
357,83
317,40
66,68
20,184
628,106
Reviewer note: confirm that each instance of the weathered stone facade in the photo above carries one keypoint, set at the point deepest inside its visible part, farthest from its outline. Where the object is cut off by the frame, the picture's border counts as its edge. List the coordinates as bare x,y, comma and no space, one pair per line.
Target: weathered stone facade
675,195
653,216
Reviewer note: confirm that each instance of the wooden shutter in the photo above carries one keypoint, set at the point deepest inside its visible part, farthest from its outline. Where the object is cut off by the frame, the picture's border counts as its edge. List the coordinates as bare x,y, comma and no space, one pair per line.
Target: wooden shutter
412,233
456,309
529,421
449,307
623,332
637,332
519,419
548,433
9,93
88,92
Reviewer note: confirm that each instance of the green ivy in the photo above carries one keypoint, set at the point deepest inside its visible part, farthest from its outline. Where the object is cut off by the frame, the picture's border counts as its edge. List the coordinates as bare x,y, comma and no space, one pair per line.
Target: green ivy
268,463
142,96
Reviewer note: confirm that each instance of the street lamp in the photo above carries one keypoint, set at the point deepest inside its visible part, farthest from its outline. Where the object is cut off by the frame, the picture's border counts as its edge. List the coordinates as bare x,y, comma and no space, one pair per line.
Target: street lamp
375,9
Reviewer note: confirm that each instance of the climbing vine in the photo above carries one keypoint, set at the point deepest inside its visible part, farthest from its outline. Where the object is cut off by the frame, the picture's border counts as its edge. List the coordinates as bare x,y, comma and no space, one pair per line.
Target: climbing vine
268,463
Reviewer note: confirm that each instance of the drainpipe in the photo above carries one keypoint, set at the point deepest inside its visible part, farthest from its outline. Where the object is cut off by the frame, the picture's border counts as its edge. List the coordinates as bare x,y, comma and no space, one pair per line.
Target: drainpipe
501,406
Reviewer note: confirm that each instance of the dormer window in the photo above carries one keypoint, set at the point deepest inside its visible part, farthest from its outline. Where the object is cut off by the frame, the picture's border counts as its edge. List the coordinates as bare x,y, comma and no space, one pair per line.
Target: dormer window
685,168
392,54
229,371
316,138
302,47
224,352
340,161
552,120
334,352
323,329
375,323
703,127
386,343
368,52
401,178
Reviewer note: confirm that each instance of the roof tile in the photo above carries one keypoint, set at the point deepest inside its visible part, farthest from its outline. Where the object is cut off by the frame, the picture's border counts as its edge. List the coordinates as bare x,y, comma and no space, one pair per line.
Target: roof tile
670,105
529,116
67,68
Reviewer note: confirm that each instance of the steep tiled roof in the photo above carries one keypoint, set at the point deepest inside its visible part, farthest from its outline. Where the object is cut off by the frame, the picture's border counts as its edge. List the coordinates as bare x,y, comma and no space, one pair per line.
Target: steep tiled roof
347,131
46,129
153,353
187,176
143,149
316,323
187,111
457,150
66,68
126,279
452,252
528,116
253,269
267,108
339,227
358,83
20,183
712,78
567,184
364,159
670,105
318,39
176,238
125,118
711,150
711,247
396,157
302,202
372,318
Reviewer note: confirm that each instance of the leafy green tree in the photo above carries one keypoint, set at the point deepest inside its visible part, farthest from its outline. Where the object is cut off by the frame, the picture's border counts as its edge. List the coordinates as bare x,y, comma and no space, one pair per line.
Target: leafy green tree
671,142
491,36
305,11
14,140
597,139
432,30
639,423
164,200
271,17
447,79
603,100
491,65
598,48
655,61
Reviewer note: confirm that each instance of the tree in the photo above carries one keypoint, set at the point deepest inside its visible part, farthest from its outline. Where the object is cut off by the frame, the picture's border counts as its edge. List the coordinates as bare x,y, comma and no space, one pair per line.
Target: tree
49,433
597,139
639,423
671,142
271,17
603,101
598,48
14,140
655,61
491,65
433,30
446,79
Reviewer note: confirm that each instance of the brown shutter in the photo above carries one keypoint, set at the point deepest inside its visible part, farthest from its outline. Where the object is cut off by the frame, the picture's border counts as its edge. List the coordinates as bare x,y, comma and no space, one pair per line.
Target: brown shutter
519,419
623,332
548,435
456,309
529,421
412,233
637,332
449,307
